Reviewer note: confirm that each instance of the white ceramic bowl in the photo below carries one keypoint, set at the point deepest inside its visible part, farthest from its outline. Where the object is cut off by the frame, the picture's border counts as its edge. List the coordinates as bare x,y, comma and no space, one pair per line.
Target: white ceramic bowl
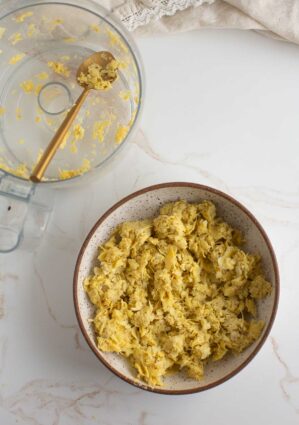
146,203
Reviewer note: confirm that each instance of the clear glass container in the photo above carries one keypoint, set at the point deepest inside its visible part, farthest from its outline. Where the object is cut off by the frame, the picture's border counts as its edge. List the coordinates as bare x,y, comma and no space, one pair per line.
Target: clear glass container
41,47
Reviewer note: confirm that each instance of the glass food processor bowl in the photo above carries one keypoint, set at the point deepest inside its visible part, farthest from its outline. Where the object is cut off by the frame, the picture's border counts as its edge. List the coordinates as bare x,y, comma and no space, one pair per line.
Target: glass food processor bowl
42,44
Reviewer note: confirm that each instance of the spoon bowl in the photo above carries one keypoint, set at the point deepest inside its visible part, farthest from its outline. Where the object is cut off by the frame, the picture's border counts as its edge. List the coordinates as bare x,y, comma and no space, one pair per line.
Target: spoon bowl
100,58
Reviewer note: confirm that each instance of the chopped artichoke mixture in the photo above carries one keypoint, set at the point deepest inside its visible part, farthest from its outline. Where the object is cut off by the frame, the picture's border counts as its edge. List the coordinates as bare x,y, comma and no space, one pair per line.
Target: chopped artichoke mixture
98,77
175,291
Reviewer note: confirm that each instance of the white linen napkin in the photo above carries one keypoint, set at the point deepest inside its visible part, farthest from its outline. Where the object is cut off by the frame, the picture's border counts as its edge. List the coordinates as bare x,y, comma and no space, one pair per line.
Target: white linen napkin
274,18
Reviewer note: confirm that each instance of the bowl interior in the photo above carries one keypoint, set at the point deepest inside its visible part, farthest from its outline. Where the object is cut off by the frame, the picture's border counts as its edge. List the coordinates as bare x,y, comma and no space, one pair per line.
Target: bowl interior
42,46
146,205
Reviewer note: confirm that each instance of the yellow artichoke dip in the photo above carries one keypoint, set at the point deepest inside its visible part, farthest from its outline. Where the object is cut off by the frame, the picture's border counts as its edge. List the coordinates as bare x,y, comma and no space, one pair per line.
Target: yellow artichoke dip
175,291
98,77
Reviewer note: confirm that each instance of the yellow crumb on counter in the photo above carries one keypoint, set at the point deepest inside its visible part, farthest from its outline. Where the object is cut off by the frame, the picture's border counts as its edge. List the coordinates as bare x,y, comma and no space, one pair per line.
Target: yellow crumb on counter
27,86
99,129
175,291
16,58
99,78
15,38
23,16
121,133
37,119
65,58
67,174
125,94
31,30
21,141
78,132
18,113
59,68
95,28
2,111
42,75
2,31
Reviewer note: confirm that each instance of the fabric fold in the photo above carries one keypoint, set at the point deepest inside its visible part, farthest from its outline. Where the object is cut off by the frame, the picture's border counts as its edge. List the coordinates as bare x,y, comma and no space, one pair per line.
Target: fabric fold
273,18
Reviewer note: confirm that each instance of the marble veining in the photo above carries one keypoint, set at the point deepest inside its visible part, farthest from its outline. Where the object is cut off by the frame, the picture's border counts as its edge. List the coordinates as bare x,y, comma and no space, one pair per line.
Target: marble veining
288,380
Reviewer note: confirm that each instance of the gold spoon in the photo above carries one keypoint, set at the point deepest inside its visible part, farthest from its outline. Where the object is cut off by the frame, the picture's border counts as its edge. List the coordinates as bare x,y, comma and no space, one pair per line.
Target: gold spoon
100,58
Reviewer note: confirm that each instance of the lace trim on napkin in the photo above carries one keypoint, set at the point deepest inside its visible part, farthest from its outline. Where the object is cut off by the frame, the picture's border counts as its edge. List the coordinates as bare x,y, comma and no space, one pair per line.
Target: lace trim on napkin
135,13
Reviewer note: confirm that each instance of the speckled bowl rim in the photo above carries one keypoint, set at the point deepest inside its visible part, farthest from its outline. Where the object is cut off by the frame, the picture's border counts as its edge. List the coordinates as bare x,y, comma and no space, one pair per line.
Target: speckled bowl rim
276,283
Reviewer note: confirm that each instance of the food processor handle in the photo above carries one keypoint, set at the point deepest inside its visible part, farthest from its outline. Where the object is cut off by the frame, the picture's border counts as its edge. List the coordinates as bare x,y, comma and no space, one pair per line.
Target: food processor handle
57,140
24,213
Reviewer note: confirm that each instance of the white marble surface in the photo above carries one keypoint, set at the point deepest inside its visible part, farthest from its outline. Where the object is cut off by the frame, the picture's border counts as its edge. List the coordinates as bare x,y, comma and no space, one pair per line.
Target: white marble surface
221,109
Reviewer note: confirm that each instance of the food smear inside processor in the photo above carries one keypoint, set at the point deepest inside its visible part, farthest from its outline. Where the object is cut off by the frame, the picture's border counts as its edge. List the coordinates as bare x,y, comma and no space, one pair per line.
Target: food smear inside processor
42,85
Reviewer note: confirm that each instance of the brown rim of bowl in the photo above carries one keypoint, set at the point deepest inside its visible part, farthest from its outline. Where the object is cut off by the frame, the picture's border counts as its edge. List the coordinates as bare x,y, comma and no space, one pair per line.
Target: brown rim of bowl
267,330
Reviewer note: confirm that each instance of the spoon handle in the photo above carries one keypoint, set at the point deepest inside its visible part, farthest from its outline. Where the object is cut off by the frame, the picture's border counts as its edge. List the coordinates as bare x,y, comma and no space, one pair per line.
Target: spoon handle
51,149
